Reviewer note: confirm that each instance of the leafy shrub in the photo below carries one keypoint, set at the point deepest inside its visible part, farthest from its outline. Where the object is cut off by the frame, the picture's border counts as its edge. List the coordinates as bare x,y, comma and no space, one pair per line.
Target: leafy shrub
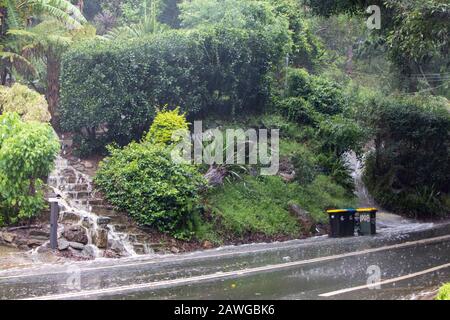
29,104
142,180
299,83
337,169
444,292
27,153
165,124
324,95
339,135
322,194
409,170
305,165
298,110
115,86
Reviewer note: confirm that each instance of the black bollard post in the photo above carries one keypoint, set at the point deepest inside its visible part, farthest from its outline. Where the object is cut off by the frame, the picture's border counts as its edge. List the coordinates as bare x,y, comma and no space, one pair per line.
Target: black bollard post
54,214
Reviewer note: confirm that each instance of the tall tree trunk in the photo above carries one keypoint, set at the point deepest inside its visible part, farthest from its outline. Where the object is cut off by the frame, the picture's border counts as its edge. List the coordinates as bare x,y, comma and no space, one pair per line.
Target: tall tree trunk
52,94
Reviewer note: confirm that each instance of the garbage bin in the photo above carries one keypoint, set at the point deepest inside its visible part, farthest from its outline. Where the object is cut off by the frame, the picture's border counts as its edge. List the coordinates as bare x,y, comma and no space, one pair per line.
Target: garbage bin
367,224
342,223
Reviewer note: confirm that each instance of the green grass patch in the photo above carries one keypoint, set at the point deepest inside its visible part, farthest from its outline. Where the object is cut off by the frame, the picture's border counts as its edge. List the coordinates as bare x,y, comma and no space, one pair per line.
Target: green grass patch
254,205
260,205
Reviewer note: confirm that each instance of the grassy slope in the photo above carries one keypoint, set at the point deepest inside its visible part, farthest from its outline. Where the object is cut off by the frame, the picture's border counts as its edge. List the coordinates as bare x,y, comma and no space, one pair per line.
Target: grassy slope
260,205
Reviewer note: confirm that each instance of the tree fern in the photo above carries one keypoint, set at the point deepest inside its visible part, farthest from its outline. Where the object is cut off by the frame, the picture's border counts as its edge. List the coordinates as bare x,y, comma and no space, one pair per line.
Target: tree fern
63,10
13,17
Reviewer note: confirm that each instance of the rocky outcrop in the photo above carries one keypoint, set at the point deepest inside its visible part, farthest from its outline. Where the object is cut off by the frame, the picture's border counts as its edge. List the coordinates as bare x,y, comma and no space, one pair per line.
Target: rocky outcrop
307,222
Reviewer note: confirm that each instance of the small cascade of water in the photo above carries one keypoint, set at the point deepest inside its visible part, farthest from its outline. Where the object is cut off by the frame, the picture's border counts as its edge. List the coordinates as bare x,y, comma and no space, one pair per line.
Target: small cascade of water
357,168
384,219
76,195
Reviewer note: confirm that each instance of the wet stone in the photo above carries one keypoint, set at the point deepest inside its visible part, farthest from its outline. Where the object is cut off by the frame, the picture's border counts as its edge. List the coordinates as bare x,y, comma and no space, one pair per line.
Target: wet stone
76,245
90,251
69,217
103,221
8,237
39,233
33,243
102,238
87,222
63,244
76,234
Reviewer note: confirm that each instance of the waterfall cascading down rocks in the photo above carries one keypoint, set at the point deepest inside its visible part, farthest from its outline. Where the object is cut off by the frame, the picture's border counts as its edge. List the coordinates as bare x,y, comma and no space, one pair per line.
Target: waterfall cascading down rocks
384,219
79,227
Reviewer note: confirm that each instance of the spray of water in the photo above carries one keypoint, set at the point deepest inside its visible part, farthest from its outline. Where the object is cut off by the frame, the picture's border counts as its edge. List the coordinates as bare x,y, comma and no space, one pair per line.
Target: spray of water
64,181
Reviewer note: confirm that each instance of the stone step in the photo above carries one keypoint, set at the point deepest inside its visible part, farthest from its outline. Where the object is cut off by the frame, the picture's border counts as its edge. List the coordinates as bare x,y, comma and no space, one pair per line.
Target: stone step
79,195
77,187
141,248
80,202
123,219
120,228
103,210
139,238
96,202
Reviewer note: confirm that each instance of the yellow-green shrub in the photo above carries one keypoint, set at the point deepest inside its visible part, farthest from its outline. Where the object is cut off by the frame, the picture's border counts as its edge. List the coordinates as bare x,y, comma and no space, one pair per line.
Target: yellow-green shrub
444,292
165,124
29,104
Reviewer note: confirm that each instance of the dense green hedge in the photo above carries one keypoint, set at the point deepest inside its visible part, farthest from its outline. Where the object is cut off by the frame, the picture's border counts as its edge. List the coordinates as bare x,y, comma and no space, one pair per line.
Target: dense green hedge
117,85
409,170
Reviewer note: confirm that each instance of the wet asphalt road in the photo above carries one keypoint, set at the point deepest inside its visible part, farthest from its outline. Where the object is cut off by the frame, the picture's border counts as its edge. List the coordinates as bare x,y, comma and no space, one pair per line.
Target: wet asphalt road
406,261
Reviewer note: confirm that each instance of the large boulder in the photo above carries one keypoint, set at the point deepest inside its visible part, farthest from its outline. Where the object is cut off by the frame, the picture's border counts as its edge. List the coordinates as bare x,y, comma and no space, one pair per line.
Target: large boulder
75,234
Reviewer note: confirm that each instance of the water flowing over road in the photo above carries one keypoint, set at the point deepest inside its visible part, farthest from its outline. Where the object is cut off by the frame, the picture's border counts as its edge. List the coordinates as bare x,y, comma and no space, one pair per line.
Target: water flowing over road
408,261
405,259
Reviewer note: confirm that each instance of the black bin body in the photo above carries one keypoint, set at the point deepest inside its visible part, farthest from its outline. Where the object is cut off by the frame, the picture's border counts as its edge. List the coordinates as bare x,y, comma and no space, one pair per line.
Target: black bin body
342,223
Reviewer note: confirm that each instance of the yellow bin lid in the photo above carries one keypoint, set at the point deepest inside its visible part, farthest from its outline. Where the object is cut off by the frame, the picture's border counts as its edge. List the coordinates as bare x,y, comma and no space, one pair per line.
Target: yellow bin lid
367,209
341,211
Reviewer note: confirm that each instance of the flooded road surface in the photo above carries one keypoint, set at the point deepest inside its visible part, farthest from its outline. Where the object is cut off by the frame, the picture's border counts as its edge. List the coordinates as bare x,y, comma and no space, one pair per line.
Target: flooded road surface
407,260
